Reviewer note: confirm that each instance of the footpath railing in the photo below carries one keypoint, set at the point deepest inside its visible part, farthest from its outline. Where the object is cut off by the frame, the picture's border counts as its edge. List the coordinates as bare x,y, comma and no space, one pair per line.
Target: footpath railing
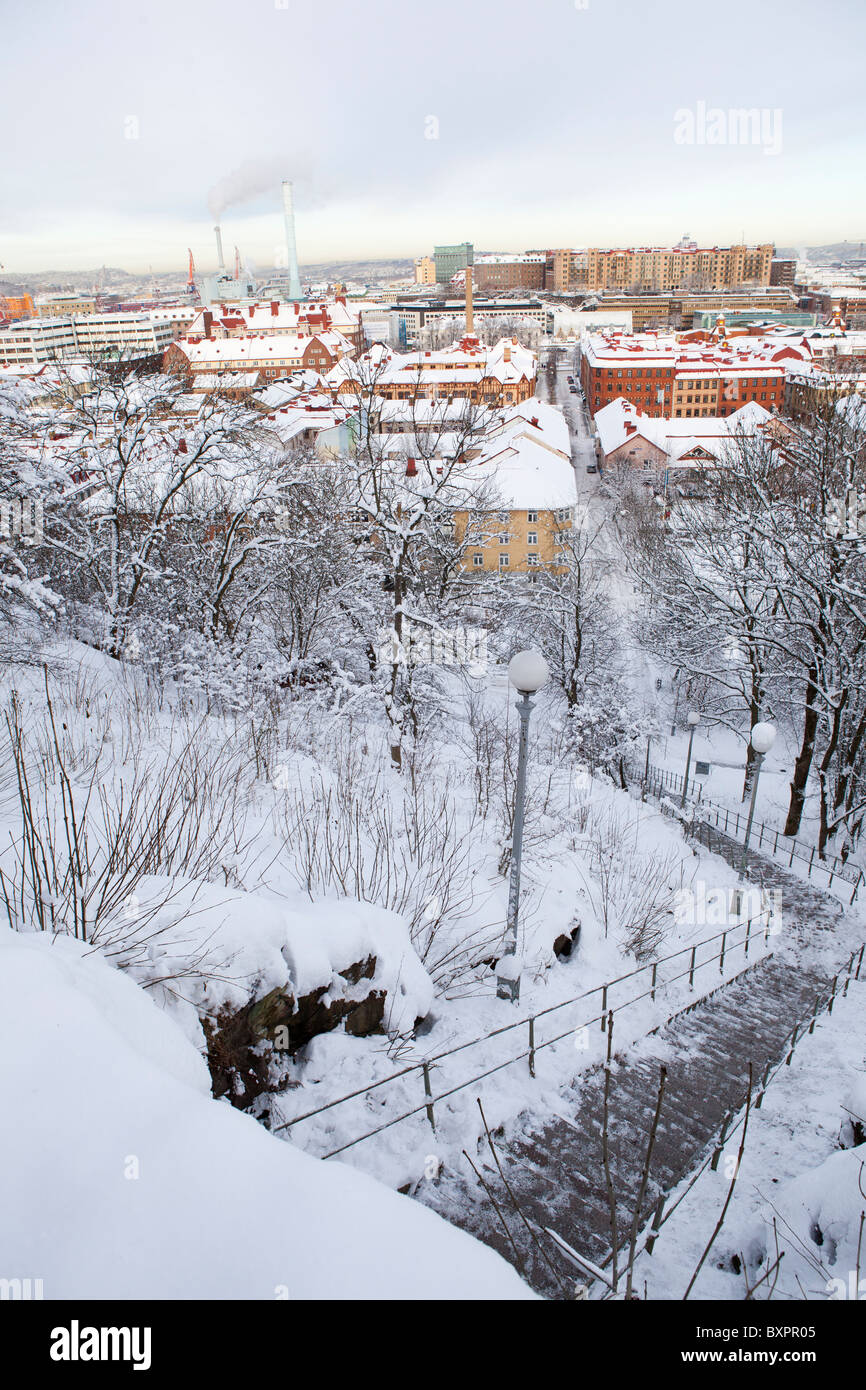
658,781
658,977
732,1123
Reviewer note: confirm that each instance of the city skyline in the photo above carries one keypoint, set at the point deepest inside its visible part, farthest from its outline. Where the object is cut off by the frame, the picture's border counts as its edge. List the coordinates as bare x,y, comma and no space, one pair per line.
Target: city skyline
589,143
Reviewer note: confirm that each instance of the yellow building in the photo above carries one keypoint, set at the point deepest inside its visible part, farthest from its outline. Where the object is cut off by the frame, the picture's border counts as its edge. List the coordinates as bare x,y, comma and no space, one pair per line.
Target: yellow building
425,271
526,458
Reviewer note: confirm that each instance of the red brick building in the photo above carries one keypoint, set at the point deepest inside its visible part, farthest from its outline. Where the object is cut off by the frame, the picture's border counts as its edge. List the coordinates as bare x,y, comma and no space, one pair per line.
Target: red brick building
681,380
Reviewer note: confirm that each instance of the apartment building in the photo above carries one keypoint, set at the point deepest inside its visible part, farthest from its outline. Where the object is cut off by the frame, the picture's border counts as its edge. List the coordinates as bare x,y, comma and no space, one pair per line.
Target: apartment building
493,274
672,312
121,335
273,355
683,380
408,317
425,271
685,266
525,458
57,305
249,317
505,373
783,271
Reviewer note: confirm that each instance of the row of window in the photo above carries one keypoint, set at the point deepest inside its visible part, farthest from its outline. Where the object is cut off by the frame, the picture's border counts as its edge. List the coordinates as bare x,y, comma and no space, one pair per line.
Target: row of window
504,560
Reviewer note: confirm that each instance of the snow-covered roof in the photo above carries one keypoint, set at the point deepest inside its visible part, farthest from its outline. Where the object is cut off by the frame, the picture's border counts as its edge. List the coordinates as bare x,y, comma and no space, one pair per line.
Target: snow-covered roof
527,455
621,421
508,361
259,347
727,358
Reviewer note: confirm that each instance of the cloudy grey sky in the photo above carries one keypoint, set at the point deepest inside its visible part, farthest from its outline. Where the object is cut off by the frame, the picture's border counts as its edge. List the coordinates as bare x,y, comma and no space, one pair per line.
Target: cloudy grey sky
555,123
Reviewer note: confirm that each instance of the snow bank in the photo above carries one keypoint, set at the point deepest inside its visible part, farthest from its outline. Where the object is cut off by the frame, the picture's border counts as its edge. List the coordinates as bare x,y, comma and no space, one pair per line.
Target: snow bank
126,1180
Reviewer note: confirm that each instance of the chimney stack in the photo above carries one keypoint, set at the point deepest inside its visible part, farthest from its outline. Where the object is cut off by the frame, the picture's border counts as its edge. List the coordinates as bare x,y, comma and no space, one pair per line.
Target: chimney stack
291,248
221,265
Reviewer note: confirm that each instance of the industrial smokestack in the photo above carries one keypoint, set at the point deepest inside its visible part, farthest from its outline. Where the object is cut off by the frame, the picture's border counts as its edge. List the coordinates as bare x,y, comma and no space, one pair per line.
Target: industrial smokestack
291,248
221,265
470,316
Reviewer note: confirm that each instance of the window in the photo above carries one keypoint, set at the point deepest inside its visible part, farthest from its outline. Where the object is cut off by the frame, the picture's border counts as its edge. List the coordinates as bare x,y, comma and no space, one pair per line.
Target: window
532,516
503,538
477,560
503,562
532,538
532,559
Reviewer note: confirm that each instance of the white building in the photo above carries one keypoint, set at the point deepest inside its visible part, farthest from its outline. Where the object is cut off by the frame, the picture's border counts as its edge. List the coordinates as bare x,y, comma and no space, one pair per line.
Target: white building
128,334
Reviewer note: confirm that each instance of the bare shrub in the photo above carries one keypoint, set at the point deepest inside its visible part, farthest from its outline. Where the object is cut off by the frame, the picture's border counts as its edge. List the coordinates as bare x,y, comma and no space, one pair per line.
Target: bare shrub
93,831
633,892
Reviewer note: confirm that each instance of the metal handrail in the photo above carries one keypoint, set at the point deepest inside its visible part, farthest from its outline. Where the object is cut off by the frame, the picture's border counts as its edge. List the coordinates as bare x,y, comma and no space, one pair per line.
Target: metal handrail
725,937
763,836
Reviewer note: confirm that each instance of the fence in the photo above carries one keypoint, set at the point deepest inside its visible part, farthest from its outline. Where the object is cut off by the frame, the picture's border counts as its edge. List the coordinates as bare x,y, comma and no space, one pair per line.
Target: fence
741,936
664,1208
733,823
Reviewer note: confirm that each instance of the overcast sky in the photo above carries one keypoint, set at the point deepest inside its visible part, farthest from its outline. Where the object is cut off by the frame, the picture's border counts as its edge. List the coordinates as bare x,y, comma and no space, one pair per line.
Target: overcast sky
559,124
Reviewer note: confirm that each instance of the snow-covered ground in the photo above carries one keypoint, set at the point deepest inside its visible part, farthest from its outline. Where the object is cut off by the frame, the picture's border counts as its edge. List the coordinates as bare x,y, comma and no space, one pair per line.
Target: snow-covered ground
258,912
124,1179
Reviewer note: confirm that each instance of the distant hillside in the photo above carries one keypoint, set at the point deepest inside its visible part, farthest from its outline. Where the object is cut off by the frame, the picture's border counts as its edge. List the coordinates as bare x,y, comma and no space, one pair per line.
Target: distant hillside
832,251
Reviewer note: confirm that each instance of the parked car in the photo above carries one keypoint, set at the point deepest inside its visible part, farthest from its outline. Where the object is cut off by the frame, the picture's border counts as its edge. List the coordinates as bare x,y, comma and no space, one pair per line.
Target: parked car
573,390
570,380
592,468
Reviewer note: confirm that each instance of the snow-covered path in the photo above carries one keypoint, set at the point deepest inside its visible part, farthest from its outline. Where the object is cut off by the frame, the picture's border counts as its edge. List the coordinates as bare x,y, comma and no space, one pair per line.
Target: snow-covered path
553,1162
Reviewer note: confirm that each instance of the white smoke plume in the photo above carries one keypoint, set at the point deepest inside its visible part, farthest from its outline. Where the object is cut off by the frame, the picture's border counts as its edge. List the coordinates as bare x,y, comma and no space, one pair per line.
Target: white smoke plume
251,179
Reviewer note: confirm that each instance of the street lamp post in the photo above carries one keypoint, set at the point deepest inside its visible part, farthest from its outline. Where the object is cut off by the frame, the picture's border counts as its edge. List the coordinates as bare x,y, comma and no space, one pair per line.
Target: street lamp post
694,720
528,672
762,739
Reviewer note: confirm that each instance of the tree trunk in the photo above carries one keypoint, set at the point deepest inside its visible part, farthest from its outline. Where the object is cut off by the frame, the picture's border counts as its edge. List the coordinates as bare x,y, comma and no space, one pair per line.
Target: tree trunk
803,763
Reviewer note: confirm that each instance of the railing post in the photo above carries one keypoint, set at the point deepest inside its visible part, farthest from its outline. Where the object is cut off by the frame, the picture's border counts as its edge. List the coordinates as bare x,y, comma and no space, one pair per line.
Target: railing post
832,995
793,1045
720,1144
692,969
815,1013
748,935
811,858
657,1221
859,962
764,1081
429,1094
532,1047
776,845
653,989
604,1008
722,954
